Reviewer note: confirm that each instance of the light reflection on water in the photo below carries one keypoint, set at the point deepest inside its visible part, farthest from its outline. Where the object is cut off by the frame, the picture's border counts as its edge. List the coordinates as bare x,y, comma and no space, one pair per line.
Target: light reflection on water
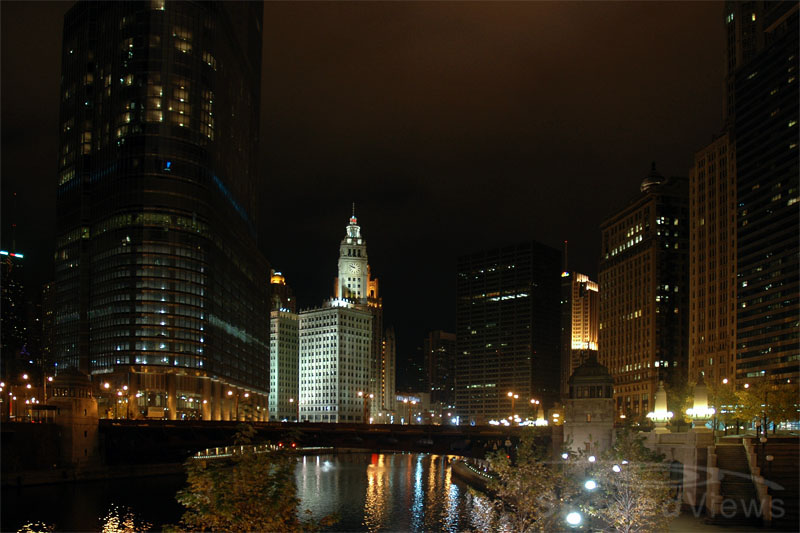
385,492
369,492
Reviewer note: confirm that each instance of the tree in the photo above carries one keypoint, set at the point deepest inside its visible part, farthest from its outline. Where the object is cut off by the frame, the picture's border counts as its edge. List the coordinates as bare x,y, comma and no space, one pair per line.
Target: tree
679,398
529,491
722,397
633,491
769,402
251,491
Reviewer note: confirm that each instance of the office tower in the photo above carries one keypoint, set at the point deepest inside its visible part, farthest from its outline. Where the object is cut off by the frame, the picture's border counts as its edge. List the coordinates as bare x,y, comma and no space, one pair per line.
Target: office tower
507,331
356,285
439,349
388,383
345,358
712,262
643,286
580,320
13,326
282,296
284,365
160,288
335,363
744,36
766,136
48,326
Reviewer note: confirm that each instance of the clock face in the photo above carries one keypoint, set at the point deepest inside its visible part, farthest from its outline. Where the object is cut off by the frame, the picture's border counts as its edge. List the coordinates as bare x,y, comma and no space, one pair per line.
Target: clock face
355,268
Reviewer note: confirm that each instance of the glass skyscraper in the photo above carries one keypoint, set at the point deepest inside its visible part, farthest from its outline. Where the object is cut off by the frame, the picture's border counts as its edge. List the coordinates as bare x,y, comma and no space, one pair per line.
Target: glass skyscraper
160,289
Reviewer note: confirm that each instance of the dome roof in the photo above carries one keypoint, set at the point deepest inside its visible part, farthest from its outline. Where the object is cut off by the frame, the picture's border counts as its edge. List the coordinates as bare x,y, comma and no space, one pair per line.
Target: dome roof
73,380
653,178
591,372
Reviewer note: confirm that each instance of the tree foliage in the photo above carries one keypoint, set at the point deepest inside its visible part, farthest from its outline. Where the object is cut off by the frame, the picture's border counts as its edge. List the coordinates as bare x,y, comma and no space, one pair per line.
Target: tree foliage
777,401
633,490
536,494
248,492
529,491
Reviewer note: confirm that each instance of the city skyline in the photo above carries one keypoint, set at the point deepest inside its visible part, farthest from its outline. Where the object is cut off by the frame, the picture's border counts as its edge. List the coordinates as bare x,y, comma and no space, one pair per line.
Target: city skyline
457,128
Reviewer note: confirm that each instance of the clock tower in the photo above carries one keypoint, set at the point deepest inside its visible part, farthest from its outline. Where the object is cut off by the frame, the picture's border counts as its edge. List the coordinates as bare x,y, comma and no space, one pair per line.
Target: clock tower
353,281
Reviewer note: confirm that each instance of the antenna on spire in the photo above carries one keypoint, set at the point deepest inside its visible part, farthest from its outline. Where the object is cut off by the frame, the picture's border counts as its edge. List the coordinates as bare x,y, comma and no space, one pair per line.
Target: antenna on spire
354,209
566,254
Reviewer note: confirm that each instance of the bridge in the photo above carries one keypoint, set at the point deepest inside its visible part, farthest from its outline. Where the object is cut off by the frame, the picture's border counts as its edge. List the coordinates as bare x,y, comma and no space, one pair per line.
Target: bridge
163,441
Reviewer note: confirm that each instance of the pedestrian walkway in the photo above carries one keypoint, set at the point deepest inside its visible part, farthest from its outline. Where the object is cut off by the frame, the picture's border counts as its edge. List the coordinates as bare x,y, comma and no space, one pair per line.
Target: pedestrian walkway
688,523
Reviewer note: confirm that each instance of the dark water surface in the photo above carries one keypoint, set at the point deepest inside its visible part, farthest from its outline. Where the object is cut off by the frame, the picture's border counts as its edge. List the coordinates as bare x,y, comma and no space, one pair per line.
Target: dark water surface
369,492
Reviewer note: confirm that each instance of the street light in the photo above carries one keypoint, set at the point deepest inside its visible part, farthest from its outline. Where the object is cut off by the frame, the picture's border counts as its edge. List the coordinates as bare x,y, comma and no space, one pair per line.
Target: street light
297,413
513,398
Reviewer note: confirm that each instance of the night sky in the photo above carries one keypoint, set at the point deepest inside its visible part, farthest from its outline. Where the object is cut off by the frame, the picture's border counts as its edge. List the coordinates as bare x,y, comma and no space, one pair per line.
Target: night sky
453,127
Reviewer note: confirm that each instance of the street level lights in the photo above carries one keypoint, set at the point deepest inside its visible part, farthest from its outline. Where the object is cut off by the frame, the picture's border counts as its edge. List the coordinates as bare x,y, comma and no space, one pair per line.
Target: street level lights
513,398
364,396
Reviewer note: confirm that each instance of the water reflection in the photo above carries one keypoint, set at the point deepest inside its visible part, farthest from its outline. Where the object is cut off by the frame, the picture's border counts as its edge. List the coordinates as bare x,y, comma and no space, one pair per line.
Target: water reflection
379,492
369,492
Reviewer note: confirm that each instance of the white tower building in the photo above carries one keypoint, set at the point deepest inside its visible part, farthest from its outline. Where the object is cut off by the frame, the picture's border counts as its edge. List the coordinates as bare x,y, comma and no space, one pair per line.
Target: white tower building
335,354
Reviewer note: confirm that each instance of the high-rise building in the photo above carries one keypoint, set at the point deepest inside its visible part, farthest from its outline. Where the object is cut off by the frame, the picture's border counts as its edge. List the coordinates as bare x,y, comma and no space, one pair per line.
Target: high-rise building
580,320
355,284
13,325
643,288
712,262
439,348
766,136
388,379
345,358
744,37
284,365
160,288
335,363
282,296
507,331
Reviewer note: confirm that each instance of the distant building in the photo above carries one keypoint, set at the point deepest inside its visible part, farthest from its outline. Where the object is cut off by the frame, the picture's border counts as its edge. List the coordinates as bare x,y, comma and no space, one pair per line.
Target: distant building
159,284
282,296
580,321
345,356
284,365
643,287
439,349
335,362
766,136
388,377
712,262
48,326
13,324
507,331
356,285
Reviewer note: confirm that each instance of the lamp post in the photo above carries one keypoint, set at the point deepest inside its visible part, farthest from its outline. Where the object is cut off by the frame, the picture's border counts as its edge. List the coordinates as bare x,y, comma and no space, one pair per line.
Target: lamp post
513,398
364,397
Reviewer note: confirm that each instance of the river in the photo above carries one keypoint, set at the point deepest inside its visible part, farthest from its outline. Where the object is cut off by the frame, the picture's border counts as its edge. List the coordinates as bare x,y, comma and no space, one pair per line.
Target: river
369,492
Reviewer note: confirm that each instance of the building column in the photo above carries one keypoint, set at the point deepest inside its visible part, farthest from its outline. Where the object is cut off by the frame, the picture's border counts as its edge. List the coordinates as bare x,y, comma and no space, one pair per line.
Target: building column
133,401
216,401
207,399
172,397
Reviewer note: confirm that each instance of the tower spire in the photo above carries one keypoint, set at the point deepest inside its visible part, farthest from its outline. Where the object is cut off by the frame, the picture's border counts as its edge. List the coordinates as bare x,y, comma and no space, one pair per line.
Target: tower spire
354,209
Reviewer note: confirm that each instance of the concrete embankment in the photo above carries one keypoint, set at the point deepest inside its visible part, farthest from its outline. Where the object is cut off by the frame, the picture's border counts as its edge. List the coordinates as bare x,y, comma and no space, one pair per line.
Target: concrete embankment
474,474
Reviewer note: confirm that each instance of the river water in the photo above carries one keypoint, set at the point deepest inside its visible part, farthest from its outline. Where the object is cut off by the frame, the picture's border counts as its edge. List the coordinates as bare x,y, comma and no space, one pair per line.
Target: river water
369,492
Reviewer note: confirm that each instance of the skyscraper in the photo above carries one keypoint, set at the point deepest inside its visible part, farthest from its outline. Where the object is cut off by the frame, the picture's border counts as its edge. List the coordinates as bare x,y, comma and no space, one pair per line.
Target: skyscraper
712,258
766,133
643,286
580,321
507,330
439,349
346,361
159,287
356,285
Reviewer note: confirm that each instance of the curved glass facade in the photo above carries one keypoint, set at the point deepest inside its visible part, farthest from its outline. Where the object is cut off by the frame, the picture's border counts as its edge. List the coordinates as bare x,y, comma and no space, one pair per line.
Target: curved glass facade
161,291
